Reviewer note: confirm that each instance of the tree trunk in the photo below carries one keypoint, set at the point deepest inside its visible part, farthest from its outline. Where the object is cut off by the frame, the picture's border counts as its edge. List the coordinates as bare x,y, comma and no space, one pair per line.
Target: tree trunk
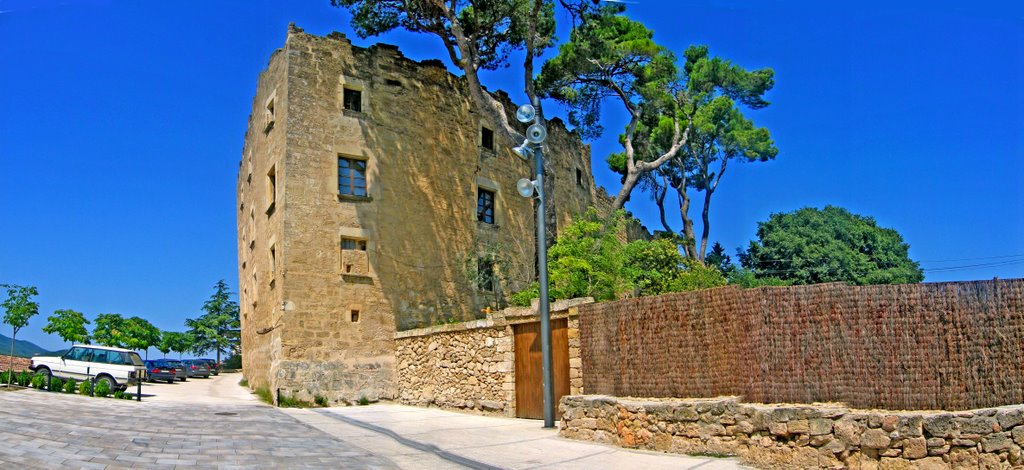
632,177
707,222
10,364
660,191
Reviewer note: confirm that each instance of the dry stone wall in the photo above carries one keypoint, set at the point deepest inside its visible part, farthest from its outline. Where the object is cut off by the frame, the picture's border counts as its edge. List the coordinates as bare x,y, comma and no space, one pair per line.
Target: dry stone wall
802,436
471,365
20,363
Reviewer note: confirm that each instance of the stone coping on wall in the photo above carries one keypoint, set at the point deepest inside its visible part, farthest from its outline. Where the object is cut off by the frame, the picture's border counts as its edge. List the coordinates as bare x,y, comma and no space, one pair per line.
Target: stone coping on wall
501,318
819,435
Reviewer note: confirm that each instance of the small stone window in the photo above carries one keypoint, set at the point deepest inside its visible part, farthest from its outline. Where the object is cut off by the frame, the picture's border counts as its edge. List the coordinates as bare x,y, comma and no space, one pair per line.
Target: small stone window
485,206
273,259
579,177
271,189
485,274
352,100
351,177
353,257
486,138
354,316
269,115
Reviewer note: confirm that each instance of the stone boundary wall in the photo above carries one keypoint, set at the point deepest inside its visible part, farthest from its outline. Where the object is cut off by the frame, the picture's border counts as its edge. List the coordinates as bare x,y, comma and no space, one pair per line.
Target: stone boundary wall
471,366
932,346
20,363
802,436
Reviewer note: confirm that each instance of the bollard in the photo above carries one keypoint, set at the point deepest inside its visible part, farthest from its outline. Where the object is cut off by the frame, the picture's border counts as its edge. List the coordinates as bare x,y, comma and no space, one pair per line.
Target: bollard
138,394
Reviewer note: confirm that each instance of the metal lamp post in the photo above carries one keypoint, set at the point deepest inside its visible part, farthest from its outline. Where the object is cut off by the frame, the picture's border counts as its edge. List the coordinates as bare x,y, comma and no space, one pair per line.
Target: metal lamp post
535,136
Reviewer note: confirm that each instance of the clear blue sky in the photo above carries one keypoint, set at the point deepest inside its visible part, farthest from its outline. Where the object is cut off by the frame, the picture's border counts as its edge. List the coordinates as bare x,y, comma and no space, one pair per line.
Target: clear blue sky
123,123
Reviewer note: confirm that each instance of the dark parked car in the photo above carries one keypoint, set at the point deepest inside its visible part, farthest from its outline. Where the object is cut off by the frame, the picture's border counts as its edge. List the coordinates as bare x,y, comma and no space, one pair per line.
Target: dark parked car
182,374
214,365
159,369
197,368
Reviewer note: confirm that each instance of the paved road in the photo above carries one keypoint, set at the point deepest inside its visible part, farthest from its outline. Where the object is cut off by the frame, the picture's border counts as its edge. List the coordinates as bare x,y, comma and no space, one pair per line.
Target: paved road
215,423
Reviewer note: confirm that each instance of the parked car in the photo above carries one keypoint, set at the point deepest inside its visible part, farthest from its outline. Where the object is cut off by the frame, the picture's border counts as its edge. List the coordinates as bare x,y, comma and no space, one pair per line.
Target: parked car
214,365
160,369
182,371
197,368
119,368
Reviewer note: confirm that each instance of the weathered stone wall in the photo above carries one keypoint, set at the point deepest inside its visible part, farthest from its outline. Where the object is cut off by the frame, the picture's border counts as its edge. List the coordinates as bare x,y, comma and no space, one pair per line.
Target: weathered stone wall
260,225
471,365
802,436
20,363
952,345
319,320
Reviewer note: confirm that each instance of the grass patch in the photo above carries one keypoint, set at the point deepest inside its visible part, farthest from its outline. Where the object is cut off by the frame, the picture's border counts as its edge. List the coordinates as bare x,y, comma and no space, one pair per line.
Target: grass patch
363,401
285,401
264,395
321,401
243,382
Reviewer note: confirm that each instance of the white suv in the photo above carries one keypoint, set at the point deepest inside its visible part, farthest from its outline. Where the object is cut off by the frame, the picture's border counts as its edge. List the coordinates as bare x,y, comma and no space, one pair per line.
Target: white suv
118,367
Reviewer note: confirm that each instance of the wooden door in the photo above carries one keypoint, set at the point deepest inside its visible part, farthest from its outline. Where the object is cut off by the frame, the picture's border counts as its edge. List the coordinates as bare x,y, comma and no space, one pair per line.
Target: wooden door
529,371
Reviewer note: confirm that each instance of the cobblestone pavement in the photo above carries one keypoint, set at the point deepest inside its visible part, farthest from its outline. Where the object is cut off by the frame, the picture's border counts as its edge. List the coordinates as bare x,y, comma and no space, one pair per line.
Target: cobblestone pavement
51,430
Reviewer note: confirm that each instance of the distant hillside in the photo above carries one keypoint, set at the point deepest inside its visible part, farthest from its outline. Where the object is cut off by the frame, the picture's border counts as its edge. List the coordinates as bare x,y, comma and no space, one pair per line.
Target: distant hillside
21,348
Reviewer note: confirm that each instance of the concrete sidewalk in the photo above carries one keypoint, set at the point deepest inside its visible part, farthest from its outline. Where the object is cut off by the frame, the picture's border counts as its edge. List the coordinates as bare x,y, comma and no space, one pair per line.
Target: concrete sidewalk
430,438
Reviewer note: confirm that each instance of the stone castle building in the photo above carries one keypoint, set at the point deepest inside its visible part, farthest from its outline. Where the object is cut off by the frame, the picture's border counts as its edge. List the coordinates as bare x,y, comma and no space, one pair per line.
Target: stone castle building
372,199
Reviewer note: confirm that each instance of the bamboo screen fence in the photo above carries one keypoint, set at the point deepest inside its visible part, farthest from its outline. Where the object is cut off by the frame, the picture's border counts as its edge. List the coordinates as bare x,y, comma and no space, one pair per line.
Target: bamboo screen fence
955,346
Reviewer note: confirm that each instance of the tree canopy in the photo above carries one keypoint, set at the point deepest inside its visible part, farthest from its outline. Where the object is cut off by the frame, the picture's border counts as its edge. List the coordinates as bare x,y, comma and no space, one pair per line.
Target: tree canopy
110,329
218,328
69,325
811,245
177,341
590,259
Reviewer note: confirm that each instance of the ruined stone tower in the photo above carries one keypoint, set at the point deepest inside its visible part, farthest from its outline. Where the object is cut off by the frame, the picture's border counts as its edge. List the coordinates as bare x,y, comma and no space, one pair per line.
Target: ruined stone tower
372,198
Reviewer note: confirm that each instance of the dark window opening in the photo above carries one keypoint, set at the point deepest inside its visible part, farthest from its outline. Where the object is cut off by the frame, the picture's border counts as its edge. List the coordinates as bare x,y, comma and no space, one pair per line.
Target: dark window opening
353,244
579,177
272,186
486,138
351,177
352,100
485,206
354,315
393,82
485,274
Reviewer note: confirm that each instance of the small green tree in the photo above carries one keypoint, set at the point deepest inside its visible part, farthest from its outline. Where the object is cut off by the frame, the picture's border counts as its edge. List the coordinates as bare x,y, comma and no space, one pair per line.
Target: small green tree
69,325
141,334
18,308
176,341
110,329
810,246
218,328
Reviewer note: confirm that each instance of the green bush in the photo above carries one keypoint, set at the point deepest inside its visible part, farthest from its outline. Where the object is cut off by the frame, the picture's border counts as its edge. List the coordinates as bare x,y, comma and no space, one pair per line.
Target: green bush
24,378
3,377
128,396
119,394
39,381
363,401
321,400
85,388
243,382
70,386
102,389
233,362
56,384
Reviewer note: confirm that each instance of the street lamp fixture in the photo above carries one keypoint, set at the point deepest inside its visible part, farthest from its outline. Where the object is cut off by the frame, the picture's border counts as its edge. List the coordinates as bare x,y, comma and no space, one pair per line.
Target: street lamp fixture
535,136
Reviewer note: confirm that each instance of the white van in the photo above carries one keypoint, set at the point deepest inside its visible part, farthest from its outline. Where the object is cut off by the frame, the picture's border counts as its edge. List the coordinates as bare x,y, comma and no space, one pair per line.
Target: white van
118,367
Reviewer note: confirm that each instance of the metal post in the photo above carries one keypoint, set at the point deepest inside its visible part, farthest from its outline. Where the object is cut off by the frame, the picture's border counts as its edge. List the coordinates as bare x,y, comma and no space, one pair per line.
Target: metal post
138,392
544,309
